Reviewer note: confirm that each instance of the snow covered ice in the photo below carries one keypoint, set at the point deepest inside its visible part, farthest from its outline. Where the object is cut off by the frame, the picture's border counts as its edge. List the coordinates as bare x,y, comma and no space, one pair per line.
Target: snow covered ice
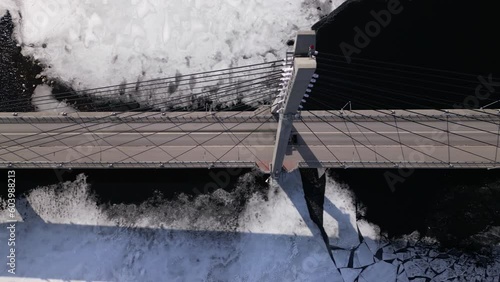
64,235
106,42
68,237
43,101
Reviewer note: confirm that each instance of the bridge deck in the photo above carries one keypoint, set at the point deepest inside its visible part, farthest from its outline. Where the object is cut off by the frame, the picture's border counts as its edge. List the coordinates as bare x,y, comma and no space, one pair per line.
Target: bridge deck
327,139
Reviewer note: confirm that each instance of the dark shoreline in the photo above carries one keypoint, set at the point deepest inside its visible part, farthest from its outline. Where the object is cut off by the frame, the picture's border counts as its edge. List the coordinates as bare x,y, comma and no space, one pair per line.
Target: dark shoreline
17,73
133,185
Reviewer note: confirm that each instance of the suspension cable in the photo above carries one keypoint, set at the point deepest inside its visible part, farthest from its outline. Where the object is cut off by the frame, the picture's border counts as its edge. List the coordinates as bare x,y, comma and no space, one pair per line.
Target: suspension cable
323,143
399,64
71,94
479,129
378,133
423,136
162,144
351,137
139,113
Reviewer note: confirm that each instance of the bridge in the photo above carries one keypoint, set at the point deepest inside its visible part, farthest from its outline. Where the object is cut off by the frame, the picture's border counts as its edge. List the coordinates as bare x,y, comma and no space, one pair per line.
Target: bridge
188,131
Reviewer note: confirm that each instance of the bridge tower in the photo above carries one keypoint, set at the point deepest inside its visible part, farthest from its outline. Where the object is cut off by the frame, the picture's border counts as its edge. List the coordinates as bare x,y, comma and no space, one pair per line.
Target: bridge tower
297,79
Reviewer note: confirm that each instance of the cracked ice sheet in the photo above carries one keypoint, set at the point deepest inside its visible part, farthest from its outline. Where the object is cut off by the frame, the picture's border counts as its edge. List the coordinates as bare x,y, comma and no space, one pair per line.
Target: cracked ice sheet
105,42
285,248
349,274
364,255
380,272
341,257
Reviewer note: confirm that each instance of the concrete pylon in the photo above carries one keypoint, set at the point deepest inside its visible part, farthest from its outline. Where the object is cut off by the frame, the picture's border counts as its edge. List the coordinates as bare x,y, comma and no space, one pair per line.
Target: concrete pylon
303,70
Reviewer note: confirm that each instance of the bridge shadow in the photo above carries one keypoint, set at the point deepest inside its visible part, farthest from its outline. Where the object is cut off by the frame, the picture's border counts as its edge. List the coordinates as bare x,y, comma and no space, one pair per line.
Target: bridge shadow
338,227
347,237
304,151
324,219
68,252
323,205
291,185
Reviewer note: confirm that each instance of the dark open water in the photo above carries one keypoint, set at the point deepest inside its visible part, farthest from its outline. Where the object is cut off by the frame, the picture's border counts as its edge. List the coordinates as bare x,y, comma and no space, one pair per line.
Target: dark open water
456,36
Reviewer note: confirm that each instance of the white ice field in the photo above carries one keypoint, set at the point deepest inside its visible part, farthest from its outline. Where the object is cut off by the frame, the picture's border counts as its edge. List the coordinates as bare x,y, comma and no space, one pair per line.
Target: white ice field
108,42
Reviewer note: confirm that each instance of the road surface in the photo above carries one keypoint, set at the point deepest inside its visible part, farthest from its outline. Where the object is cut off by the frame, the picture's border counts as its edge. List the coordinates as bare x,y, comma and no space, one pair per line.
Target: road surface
363,139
